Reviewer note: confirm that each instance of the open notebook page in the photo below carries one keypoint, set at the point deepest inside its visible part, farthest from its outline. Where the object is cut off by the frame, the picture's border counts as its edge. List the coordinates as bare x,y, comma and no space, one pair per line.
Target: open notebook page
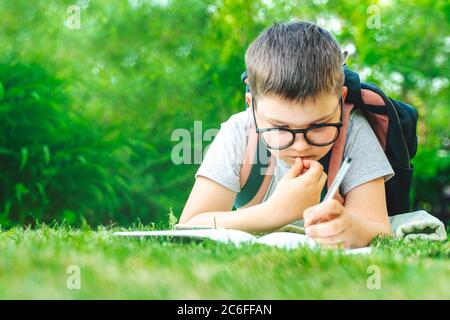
221,235
286,240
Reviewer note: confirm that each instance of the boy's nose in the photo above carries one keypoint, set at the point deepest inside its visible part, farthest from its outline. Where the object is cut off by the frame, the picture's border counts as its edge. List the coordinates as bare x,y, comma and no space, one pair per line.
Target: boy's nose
300,144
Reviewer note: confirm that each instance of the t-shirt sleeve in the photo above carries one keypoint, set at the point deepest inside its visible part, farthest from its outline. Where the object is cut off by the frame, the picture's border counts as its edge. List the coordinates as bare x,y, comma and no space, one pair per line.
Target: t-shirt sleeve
224,156
369,161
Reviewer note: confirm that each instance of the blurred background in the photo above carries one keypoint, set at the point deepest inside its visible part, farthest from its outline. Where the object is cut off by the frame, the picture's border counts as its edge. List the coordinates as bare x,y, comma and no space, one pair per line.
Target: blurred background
91,92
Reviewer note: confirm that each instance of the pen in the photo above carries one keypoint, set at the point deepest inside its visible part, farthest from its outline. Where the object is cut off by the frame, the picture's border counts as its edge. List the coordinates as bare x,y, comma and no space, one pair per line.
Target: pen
337,180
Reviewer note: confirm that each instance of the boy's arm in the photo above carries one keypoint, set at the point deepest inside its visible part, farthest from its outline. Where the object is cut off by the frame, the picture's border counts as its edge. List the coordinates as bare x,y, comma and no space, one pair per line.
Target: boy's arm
209,201
368,201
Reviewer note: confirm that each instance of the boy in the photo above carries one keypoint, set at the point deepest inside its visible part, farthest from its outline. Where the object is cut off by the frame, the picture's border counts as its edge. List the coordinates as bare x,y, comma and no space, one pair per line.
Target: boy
296,79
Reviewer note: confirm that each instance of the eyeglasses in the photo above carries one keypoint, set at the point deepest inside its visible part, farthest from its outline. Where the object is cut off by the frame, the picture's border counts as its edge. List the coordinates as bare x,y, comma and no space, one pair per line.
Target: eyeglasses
319,135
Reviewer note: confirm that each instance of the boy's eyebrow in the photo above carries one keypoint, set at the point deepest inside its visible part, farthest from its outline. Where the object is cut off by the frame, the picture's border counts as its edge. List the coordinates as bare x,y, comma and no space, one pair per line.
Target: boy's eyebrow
275,121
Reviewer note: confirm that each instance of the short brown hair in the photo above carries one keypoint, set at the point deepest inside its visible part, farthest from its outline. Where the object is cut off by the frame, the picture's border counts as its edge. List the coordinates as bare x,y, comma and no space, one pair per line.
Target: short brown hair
294,60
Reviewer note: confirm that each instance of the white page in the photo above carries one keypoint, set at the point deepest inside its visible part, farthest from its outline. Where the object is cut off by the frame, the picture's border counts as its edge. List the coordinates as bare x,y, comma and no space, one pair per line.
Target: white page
222,235
364,250
286,240
292,229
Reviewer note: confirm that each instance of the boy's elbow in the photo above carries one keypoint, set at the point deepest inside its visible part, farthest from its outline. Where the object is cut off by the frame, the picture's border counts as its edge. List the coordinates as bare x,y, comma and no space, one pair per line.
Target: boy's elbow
184,219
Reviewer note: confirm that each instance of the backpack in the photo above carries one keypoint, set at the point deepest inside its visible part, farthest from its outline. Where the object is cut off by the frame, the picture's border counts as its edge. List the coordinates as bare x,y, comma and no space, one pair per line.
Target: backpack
393,122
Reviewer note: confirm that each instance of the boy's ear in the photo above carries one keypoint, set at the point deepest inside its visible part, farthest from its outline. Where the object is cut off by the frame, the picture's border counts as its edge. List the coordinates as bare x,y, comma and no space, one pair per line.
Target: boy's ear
248,99
344,92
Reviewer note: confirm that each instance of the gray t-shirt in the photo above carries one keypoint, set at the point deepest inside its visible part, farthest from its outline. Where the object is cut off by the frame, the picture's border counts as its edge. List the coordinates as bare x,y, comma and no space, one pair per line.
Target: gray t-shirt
225,155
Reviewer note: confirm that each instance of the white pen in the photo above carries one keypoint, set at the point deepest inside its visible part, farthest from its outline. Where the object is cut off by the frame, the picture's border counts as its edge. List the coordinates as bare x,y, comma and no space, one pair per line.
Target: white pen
337,180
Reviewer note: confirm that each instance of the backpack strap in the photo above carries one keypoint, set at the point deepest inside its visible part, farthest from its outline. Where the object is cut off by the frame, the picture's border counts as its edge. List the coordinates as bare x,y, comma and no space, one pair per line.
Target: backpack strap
375,113
395,132
353,84
256,171
337,151
244,79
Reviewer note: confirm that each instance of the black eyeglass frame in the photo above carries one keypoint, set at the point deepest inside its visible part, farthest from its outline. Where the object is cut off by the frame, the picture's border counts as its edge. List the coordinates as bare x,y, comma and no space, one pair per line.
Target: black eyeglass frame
294,132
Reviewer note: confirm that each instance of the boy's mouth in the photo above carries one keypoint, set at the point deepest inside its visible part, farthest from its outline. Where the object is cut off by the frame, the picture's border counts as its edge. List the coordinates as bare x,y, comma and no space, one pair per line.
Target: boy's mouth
305,158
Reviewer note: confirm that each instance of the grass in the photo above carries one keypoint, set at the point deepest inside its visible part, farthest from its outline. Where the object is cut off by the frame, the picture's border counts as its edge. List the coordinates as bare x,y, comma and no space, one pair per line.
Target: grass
34,264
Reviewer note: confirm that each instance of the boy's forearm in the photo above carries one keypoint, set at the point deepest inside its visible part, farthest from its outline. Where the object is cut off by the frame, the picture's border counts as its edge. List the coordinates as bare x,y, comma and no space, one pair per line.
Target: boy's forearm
368,230
251,219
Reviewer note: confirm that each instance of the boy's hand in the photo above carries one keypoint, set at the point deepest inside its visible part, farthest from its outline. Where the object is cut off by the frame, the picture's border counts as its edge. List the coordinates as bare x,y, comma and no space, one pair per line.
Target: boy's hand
299,189
331,224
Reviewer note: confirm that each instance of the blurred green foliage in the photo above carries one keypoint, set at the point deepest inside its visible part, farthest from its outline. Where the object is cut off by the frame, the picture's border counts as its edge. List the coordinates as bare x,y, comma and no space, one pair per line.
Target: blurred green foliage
56,162
95,145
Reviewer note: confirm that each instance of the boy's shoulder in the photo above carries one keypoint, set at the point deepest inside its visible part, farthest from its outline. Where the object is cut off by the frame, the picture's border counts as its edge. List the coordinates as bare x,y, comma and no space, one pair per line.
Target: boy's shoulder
356,114
241,120
357,121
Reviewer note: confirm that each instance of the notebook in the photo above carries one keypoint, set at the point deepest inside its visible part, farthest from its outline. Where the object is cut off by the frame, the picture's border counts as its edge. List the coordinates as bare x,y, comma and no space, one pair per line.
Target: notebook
287,237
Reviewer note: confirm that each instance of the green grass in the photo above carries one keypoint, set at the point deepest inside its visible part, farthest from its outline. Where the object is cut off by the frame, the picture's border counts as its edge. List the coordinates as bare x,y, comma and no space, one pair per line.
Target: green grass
34,264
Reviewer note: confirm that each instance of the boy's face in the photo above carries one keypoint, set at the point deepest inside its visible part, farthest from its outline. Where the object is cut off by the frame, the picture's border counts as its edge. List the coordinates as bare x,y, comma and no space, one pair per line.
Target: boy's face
272,112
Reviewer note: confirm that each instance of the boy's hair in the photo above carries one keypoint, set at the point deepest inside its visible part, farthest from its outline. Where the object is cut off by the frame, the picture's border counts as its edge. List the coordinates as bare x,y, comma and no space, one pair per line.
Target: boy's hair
294,61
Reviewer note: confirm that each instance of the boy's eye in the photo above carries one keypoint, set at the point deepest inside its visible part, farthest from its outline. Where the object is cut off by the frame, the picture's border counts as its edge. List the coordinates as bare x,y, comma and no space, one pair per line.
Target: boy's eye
275,124
282,126
287,126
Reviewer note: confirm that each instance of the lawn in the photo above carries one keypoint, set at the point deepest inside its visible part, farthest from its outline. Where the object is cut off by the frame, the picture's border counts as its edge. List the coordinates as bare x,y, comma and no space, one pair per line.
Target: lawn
35,263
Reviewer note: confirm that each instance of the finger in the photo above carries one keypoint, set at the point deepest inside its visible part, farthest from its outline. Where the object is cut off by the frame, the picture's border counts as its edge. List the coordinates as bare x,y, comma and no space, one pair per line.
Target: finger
296,169
310,220
314,172
304,170
327,229
337,240
323,179
324,218
306,163
306,166
307,213
329,207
